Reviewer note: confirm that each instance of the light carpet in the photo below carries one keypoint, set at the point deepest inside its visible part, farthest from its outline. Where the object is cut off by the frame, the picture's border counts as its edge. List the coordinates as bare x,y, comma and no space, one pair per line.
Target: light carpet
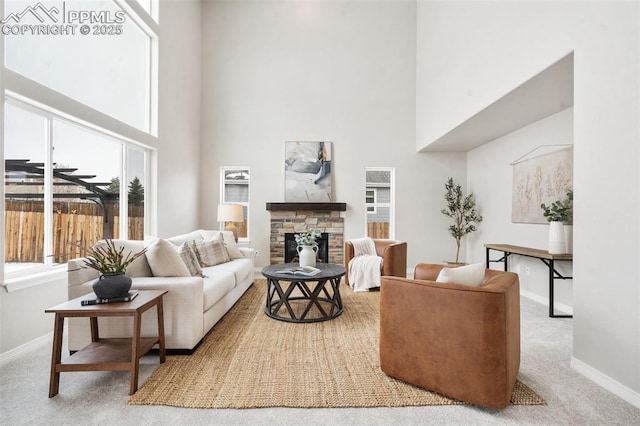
249,360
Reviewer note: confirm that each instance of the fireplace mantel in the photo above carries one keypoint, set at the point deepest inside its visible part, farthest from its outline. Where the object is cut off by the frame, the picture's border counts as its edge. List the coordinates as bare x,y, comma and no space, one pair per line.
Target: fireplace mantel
292,207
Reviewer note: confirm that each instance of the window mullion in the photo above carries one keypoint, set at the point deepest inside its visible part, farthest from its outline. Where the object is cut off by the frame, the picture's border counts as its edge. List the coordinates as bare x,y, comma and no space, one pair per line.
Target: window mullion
123,198
47,205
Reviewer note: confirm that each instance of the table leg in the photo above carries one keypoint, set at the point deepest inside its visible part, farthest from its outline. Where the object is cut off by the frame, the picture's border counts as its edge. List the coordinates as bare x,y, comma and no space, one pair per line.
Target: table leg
551,289
487,256
95,334
135,348
56,355
162,349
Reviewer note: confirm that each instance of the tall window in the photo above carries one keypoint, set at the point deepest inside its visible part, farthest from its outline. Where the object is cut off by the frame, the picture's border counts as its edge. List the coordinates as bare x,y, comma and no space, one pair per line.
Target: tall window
379,195
235,190
58,204
73,172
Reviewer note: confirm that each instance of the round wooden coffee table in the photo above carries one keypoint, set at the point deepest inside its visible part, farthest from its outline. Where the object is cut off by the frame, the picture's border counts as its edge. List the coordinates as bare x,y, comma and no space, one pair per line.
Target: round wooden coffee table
301,298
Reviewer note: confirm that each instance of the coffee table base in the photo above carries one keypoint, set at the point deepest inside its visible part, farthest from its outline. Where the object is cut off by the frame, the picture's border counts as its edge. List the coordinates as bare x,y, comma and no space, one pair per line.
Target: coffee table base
300,298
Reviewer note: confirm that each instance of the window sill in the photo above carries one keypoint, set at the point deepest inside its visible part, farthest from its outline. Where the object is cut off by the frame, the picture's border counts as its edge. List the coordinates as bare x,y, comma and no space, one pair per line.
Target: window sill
55,273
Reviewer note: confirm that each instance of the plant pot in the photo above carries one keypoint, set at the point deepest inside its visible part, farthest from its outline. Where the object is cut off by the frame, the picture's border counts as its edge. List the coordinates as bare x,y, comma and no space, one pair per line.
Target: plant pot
557,243
307,255
108,286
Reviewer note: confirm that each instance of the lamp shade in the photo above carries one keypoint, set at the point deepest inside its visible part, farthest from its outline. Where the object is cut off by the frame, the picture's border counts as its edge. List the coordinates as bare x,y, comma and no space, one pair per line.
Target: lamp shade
230,213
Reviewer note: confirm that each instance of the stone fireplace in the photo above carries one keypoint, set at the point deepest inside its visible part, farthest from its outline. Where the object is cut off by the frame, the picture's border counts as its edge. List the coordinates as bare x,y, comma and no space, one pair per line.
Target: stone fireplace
291,218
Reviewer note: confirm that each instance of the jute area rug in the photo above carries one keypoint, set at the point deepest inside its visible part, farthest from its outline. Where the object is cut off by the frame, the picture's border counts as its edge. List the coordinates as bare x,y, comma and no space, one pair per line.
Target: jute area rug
249,360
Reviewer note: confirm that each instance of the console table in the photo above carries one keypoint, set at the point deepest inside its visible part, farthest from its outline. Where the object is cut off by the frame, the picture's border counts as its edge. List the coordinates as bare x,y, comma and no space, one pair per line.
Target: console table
546,258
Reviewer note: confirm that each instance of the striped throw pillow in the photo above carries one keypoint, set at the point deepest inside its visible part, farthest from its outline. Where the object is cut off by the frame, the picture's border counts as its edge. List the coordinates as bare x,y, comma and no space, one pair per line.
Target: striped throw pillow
190,260
211,252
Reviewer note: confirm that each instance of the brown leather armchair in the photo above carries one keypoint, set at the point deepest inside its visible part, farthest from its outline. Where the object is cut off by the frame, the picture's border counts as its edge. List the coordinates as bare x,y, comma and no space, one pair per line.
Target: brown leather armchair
457,340
393,253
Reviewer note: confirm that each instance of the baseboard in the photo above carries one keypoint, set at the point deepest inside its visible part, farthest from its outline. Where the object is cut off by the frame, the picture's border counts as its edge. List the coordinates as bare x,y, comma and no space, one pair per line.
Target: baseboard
545,301
613,386
22,349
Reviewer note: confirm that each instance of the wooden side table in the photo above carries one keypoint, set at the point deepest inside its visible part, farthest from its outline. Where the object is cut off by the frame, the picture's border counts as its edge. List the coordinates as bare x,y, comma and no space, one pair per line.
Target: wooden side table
112,354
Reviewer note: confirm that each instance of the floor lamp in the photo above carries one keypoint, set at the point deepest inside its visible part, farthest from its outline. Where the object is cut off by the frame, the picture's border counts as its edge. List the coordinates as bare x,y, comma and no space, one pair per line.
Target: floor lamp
229,214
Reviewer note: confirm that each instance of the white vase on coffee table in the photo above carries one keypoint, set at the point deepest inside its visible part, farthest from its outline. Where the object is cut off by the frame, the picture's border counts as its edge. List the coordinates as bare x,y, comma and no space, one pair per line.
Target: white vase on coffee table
307,254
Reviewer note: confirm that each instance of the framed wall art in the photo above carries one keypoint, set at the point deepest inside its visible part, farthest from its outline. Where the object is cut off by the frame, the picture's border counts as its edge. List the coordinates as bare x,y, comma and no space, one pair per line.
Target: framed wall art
307,172
543,175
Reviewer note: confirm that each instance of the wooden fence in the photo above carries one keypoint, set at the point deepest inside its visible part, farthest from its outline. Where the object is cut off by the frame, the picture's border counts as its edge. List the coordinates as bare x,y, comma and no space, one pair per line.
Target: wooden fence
76,226
378,229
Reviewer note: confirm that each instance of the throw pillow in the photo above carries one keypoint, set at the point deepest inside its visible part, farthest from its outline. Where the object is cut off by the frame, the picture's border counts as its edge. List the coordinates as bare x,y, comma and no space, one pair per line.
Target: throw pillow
231,245
211,252
229,242
190,259
165,261
140,266
471,275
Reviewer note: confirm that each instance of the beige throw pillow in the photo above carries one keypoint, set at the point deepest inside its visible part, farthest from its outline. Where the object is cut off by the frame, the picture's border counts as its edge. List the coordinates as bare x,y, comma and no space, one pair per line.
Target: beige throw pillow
190,259
165,261
229,242
211,252
231,245
471,275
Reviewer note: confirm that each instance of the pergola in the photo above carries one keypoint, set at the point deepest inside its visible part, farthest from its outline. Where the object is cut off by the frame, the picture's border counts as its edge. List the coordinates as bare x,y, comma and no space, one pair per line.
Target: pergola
25,173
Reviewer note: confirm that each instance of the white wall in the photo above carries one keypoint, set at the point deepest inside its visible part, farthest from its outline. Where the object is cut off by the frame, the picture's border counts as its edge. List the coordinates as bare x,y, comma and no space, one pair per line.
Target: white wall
342,72
179,117
493,188
458,75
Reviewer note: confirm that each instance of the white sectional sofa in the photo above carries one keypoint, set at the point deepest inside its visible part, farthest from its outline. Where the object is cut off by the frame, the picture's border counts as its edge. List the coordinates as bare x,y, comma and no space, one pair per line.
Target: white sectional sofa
192,305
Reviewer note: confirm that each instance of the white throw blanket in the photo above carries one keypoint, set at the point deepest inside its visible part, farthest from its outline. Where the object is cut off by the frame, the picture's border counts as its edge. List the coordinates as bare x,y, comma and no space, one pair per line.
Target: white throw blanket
364,268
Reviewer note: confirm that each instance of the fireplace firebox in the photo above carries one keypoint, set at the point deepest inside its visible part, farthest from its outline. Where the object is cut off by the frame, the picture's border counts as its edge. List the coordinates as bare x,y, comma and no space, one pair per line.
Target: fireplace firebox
291,252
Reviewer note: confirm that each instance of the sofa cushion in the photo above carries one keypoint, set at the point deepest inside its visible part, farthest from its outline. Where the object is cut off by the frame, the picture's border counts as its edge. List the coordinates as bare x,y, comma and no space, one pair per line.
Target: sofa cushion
471,275
184,238
217,284
190,259
139,267
165,261
211,252
229,242
240,268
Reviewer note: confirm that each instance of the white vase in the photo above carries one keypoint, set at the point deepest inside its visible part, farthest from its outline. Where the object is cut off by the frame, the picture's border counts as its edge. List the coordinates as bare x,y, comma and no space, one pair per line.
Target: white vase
307,254
557,244
568,238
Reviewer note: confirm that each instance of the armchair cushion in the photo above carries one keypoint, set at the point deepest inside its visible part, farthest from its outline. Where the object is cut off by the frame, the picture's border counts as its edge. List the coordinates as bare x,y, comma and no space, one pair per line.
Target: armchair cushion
472,275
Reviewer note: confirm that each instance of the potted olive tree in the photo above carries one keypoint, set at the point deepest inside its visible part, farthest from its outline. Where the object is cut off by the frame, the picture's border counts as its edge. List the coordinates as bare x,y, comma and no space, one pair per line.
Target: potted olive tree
462,209
559,214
